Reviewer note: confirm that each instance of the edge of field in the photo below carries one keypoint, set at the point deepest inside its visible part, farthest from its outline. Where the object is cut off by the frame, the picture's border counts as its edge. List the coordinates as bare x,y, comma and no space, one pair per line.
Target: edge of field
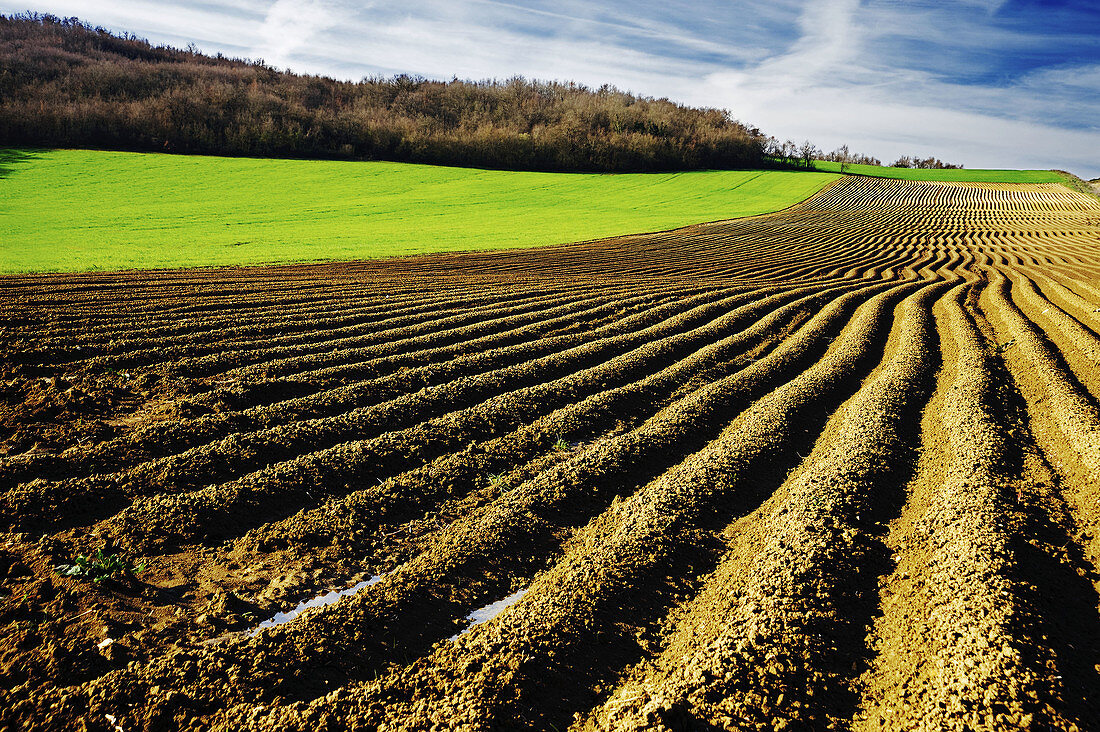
1079,184
948,175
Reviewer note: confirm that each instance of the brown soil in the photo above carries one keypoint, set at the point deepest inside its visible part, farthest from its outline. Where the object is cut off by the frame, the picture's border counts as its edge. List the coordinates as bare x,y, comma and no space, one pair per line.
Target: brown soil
831,468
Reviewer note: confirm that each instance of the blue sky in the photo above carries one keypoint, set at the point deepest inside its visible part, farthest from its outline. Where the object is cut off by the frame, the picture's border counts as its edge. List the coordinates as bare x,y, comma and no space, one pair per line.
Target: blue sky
987,83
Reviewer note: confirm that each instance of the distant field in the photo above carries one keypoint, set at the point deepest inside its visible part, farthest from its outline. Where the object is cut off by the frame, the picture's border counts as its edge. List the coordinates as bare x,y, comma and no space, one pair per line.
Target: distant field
962,175
72,210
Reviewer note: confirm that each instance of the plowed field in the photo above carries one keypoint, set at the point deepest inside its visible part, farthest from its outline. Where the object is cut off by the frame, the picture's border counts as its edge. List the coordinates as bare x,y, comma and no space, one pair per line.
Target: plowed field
833,467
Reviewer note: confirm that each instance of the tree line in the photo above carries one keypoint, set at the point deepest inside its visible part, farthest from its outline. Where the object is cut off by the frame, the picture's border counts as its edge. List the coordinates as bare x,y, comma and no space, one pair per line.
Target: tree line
66,83
844,156
915,161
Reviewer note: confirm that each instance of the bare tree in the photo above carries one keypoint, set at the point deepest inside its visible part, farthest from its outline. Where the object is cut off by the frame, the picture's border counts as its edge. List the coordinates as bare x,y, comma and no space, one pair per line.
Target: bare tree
807,153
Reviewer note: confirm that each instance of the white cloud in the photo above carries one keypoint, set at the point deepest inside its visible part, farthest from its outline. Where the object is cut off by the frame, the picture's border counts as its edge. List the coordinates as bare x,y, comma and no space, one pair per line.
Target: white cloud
888,129
450,44
292,25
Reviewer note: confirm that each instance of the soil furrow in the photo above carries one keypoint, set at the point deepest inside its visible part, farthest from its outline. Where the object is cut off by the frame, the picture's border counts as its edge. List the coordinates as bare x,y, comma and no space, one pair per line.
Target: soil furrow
959,645
833,467
775,635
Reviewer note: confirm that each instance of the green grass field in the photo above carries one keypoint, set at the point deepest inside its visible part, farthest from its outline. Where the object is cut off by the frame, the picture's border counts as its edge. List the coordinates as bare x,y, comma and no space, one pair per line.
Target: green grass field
72,210
959,175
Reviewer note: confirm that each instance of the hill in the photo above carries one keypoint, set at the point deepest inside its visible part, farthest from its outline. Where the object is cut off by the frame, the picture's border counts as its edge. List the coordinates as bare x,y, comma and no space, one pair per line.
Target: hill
92,209
67,84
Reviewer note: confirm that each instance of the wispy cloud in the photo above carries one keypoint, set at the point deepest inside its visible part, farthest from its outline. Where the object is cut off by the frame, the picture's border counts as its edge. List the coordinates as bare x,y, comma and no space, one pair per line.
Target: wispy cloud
825,49
842,82
829,39
292,25
226,26
984,82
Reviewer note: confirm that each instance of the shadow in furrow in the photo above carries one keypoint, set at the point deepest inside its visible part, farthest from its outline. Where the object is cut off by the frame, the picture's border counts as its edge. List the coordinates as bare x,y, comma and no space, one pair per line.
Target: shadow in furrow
1060,580
847,654
1058,358
580,676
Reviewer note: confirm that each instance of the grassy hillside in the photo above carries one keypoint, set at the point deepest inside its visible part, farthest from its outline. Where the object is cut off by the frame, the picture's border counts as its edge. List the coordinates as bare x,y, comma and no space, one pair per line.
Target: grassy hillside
951,174
71,210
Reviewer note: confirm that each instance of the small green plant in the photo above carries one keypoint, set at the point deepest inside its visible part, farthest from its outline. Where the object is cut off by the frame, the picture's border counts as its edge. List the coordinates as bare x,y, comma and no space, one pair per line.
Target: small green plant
99,567
561,445
1002,347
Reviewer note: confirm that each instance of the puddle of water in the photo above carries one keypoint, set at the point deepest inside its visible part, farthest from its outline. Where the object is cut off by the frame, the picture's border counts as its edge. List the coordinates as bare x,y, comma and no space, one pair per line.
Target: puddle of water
490,611
320,601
